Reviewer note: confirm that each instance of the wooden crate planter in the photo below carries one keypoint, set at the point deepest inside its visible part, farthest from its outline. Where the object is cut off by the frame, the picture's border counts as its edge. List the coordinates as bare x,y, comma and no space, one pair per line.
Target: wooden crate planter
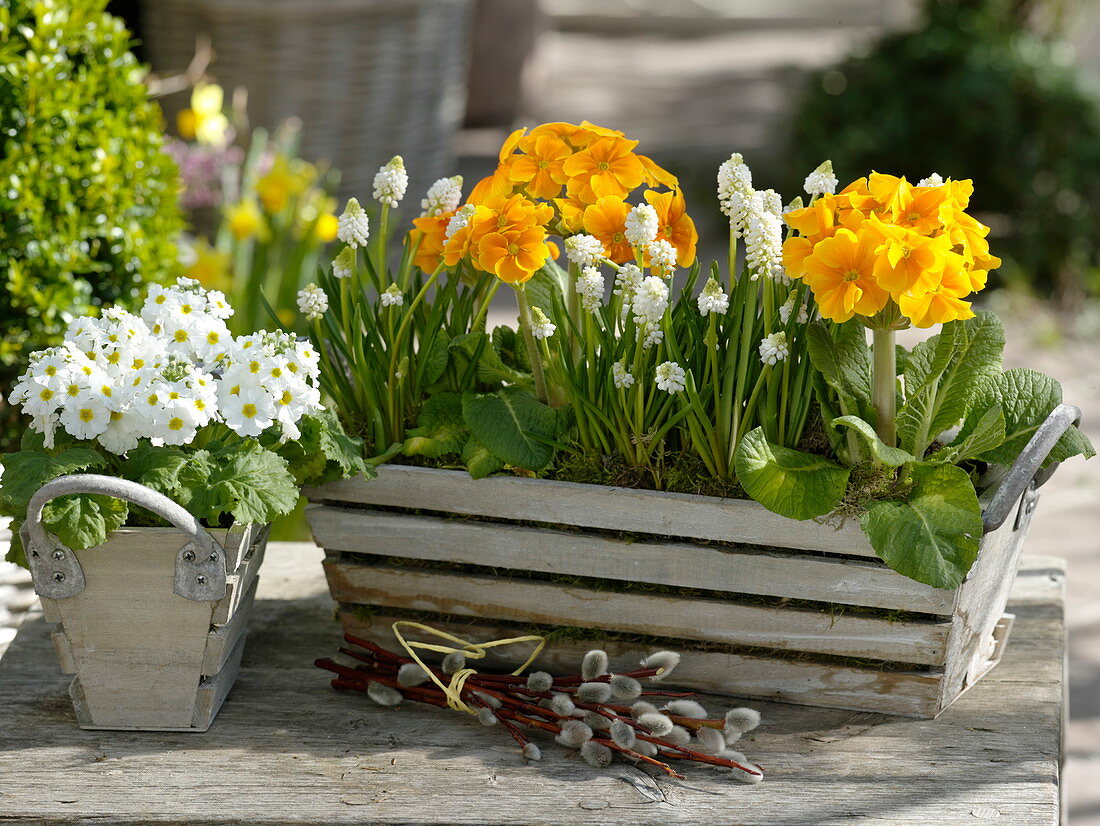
771,607
144,655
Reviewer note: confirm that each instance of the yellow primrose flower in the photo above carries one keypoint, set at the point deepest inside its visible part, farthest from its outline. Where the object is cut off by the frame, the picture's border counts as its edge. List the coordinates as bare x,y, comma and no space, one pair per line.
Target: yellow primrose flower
205,121
245,221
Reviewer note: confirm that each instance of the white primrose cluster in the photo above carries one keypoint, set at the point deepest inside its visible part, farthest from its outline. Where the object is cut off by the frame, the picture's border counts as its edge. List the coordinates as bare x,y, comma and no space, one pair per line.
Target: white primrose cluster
167,373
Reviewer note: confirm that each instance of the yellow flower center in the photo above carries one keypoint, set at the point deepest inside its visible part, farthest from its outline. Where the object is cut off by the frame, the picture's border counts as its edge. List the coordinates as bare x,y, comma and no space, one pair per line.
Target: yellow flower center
160,299
249,410
115,416
544,164
46,394
114,357
86,414
186,309
851,275
173,395
212,337
254,367
603,166
276,371
175,423
51,371
287,397
72,390
106,390
139,363
152,399
180,335
617,238
200,404
513,249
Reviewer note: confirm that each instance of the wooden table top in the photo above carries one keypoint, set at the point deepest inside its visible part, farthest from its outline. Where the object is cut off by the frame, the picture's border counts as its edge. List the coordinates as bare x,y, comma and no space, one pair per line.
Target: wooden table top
287,748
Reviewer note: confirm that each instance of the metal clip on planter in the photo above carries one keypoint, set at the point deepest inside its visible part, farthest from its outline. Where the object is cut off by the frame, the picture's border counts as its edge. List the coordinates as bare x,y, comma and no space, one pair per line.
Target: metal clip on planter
1027,473
200,564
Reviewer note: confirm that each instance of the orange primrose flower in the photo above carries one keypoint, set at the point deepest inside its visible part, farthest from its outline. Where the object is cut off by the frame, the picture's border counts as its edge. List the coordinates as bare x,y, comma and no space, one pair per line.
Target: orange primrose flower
606,220
906,259
674,224
539,168
943,302
429,234
840,271
607,167
514,255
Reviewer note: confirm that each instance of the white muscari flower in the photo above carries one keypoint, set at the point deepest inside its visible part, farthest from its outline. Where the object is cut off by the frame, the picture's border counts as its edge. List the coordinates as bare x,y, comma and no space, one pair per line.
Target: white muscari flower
649,305
662,257
787,307
442,196
627,281
712,299
774,348
343,265
541,326
590,288
641,225
935,179
584,250
353,225
621,376
796,203
390,182
734,188
671,377
772,201
459,221
821,181
312,302
763,239
392,296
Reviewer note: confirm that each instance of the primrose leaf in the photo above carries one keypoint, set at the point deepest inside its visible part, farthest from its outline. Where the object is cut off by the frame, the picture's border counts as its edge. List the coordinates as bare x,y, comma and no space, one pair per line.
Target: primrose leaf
789,482
933,535
490,368
433,360
988,434
440,429
507,423
28,470
84,520
845,362
882,452
244,479
479,460
156,467
323,452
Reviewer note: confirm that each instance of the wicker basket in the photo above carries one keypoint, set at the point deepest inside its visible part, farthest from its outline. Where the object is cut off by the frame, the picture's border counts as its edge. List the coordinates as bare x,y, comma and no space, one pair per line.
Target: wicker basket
369,78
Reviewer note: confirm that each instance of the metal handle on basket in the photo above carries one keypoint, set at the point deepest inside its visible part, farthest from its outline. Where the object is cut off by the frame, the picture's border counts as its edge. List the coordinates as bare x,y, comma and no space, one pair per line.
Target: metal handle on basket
1027,472
200,564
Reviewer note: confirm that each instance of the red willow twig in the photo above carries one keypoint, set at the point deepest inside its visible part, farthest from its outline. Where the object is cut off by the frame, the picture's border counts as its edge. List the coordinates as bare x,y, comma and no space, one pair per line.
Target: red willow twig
506,699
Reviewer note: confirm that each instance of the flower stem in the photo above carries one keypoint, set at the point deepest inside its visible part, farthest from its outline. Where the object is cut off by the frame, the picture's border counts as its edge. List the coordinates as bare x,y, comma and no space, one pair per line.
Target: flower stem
883,387
529,339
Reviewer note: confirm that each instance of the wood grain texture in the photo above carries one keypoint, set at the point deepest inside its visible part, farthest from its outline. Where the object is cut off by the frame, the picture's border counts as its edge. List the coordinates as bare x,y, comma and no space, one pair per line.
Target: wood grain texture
287,749
841,581
592,506
709,620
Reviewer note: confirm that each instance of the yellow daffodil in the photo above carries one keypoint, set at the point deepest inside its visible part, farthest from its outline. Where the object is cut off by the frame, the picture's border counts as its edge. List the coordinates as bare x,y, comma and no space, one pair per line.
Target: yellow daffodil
245,221
205,121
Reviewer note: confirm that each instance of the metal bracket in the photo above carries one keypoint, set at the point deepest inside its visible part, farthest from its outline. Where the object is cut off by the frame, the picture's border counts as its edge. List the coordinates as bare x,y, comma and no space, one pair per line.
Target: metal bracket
200,574
55,570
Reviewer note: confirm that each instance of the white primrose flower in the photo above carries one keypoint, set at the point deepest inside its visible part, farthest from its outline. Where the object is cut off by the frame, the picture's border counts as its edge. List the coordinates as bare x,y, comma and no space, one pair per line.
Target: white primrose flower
621,376
787,307
86,417
390,182
649,305
459,221
584,250
541,326
671,377
392,296
641,225
821,181
442,196
734,190
343,265
935,179
312,302
774,348
590,288
250,412
662,258
712,299
353,225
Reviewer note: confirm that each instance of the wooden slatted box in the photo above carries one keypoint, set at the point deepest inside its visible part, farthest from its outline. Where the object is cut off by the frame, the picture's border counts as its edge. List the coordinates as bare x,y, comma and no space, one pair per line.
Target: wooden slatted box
768,607
142,657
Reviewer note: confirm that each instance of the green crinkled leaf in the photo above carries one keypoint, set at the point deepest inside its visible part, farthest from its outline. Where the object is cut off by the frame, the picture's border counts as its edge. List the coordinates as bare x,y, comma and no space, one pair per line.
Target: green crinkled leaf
845,363
490,368
988,434
28,470
323,452
434,360
933,535
479,460
440,430
508,422
245,480
942,375
84,520
1026,397
883,453
791,483
156,467
511,349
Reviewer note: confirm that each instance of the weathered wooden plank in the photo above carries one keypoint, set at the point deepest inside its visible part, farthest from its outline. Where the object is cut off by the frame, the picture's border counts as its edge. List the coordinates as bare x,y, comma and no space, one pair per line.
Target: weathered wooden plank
907,693
297,751
708,620
223,639
238,584
593,506
846,582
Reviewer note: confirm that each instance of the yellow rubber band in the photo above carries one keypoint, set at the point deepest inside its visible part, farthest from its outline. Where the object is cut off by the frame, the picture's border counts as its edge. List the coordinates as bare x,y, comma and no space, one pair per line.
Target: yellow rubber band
471,650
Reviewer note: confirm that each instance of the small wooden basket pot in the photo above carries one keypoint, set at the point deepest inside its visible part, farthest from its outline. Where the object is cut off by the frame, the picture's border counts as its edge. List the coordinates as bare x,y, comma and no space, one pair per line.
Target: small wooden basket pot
768,607
151,624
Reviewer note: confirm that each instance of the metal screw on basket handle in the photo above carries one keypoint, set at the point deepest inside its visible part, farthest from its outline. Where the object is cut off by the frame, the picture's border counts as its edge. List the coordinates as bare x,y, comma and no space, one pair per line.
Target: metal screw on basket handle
200,564
1027,472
